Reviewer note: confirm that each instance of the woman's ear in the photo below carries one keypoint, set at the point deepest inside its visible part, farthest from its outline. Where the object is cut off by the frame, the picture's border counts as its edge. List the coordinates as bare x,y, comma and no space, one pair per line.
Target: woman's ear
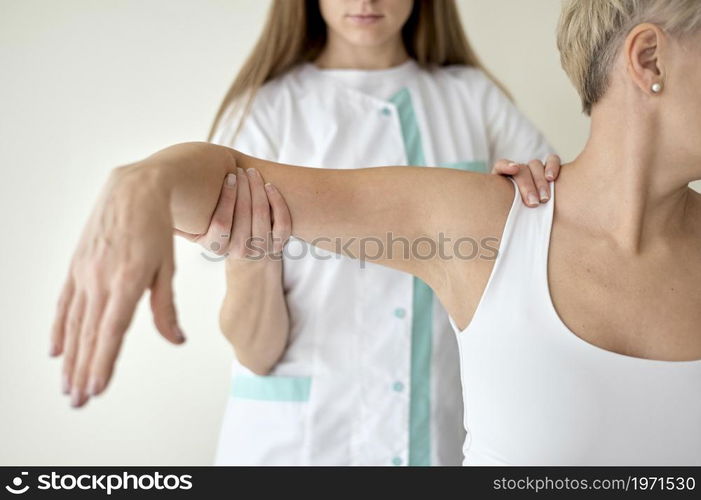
643,51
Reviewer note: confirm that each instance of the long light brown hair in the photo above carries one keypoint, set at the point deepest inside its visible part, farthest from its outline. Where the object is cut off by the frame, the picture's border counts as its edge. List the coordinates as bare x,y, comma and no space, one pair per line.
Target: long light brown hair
295,32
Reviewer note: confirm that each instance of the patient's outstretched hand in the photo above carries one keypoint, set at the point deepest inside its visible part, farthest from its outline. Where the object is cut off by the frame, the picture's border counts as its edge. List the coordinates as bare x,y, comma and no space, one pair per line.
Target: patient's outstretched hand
126,248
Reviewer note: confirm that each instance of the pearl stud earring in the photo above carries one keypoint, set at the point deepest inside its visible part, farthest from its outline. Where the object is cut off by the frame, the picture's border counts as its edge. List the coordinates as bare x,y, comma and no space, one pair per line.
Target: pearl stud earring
656,88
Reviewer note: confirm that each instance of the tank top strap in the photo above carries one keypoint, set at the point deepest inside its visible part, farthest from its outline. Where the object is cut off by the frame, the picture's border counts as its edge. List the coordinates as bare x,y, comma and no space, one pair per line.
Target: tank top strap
515,284
526,235
524,244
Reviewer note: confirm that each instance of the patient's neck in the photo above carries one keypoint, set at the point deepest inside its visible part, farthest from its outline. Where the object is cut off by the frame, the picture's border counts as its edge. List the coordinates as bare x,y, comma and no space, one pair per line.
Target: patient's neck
628,184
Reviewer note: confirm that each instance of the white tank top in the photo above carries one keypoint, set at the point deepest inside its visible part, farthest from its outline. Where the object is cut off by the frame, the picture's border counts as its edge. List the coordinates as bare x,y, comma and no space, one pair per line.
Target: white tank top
536,394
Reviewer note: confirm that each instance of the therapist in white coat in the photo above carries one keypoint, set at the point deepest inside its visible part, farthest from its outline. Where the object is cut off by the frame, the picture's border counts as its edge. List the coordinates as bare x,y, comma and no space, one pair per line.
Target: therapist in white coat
338,362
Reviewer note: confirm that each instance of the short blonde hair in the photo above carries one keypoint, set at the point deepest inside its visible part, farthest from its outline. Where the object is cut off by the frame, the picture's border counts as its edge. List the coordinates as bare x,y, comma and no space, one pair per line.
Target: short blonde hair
590,34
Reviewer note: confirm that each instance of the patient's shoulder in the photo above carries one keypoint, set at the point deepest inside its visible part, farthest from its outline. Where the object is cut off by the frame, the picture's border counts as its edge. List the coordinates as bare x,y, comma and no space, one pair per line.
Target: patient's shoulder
478,203
695,203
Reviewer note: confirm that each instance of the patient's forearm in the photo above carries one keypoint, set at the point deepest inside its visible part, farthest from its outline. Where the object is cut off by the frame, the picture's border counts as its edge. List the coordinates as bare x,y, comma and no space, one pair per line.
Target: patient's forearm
334,208
189,176
355,203
323,202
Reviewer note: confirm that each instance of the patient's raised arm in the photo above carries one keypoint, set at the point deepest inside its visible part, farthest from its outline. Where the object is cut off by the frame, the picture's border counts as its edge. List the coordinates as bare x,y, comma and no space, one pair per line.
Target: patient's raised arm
357,211
127,245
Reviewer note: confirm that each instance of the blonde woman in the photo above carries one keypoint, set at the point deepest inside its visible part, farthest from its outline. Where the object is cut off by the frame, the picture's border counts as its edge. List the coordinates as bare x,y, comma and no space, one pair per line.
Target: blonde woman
361,363
599,359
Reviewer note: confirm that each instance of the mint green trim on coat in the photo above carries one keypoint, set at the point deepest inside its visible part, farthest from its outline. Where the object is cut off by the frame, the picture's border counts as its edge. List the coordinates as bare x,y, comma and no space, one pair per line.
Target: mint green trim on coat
420,399
422,310
410,128
271,388
469,166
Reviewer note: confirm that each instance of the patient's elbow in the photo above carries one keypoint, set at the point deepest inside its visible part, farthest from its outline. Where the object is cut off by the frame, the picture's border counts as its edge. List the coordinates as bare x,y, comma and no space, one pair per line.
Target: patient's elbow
259,362
251,352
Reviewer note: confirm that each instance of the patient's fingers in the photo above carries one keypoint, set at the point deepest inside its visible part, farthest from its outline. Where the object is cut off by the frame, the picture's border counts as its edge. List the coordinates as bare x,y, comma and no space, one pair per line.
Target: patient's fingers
95,303
59,327
113,325
241,233
163,304
282,220
74,321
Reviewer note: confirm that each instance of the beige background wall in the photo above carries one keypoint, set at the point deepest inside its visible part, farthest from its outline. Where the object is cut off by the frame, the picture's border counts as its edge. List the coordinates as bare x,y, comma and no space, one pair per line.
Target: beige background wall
86,86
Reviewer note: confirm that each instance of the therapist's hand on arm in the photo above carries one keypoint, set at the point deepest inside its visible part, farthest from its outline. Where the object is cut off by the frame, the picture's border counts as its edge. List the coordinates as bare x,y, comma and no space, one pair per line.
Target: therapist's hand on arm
251,230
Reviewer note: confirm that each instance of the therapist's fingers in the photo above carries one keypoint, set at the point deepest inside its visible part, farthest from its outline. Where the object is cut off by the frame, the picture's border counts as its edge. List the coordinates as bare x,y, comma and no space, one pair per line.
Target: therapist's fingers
524,180
95,302
74,322
505,167
282,220
538,174
218,234
241,232
526,186
187,236
59,327
260,216
552,167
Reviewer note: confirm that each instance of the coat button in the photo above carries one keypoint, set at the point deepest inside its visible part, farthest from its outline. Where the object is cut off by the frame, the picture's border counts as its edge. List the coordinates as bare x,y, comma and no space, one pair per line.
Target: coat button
400,312
397,460
398,387
386,111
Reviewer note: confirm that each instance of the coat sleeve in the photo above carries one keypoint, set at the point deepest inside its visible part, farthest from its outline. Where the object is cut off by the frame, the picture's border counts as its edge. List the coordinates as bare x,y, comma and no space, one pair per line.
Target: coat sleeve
511,135
257,135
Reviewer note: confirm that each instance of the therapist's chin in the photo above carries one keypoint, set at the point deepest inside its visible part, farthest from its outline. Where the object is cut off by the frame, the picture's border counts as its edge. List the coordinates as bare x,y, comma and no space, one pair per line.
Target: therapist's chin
367,37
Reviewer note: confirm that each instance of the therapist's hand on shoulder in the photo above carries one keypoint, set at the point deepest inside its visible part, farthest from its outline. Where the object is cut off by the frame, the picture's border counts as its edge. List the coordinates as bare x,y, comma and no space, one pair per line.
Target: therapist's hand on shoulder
532,178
